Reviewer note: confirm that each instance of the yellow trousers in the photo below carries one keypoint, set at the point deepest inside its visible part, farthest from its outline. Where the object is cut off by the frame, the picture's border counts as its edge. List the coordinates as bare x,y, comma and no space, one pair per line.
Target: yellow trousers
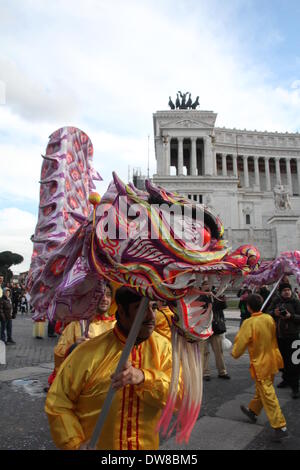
265,397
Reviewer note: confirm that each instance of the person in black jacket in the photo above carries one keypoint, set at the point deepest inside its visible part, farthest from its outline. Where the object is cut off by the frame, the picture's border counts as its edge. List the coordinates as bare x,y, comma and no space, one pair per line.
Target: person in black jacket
16,297
285,310
6,317
215,341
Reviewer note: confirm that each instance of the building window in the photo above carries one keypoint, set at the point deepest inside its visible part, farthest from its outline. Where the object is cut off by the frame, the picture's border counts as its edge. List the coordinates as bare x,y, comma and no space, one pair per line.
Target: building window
195,197
248,219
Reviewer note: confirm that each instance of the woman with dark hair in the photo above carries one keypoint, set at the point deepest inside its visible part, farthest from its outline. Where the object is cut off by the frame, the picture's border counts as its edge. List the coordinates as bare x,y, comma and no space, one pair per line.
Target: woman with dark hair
6,317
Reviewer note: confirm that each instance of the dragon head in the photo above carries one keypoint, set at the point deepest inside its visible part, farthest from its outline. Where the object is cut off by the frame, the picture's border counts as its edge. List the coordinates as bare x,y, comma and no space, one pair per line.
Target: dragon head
160,244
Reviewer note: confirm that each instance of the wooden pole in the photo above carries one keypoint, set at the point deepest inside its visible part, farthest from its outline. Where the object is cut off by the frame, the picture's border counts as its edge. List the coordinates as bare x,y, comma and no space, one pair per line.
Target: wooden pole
271,293
82,327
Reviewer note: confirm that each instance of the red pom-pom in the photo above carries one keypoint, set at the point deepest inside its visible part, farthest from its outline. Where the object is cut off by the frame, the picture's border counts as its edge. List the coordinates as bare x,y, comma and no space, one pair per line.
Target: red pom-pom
206,236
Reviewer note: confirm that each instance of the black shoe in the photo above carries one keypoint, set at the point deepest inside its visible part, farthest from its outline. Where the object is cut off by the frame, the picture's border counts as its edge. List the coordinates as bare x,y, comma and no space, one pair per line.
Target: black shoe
279,434
282,384
52,336
207,378
46,389
225,376
249,413
295,393
10,341
39,337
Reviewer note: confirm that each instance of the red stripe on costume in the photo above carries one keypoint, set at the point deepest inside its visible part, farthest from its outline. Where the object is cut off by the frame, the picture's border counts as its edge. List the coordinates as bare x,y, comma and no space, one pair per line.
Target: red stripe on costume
138,404
104,318
130,407
122,419
51,377
129,421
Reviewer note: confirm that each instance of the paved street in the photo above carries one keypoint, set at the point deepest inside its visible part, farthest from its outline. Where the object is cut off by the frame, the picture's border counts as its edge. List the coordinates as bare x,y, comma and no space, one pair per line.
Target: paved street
220,426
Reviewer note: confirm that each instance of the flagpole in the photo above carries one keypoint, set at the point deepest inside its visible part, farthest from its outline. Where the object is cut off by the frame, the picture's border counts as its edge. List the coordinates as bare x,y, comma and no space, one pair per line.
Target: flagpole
148,170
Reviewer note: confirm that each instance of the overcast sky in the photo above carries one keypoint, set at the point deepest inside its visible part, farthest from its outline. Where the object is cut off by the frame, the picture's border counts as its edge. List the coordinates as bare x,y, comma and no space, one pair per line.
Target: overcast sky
106,66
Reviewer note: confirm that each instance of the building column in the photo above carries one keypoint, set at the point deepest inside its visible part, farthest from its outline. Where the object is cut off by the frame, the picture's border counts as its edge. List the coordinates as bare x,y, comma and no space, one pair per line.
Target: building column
215,169
208,156
194,157
180,156
289,175
267,173
256,173
166,155
234,163
278,178
224,164
298,174
246,173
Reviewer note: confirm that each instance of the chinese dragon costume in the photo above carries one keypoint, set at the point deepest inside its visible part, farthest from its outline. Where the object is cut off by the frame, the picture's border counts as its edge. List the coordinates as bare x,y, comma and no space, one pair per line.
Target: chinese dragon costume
156,242
287,263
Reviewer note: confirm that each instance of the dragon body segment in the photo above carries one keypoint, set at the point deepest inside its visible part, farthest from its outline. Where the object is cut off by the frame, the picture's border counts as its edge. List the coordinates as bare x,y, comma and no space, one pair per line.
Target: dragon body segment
60,244
288,262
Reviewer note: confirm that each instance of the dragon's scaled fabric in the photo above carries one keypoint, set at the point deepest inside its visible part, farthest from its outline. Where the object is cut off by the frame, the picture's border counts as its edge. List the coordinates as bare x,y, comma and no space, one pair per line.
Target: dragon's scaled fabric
287,263
154,241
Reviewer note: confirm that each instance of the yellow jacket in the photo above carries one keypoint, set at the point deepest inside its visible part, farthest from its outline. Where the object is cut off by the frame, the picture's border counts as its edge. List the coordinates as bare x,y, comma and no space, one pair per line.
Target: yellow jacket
258,334
73,331
163,322
81,385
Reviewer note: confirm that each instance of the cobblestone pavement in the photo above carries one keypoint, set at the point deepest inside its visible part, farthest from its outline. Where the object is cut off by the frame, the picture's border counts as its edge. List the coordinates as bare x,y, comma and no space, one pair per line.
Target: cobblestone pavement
221,425
28,351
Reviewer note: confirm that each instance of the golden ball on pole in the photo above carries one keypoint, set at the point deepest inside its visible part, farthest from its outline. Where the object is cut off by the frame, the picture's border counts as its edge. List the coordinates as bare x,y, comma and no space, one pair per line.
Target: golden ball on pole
94,198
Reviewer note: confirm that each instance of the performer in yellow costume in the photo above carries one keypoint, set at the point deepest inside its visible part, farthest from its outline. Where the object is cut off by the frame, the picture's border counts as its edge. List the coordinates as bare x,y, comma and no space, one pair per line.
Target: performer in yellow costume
163,320
73,334
79,390
258,334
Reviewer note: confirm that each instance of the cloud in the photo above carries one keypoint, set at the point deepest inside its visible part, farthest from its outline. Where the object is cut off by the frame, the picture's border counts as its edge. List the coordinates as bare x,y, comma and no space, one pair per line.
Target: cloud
295,84
23,143
2,92
113,64
32,99
106,67
16,229
130,152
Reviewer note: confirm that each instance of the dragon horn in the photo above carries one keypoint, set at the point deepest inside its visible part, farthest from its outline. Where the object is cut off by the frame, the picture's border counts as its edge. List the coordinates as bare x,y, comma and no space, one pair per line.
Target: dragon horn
152,190
121,187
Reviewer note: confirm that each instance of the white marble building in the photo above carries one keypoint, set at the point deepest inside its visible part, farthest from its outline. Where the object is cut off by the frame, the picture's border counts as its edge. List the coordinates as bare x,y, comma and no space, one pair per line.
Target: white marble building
233,171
